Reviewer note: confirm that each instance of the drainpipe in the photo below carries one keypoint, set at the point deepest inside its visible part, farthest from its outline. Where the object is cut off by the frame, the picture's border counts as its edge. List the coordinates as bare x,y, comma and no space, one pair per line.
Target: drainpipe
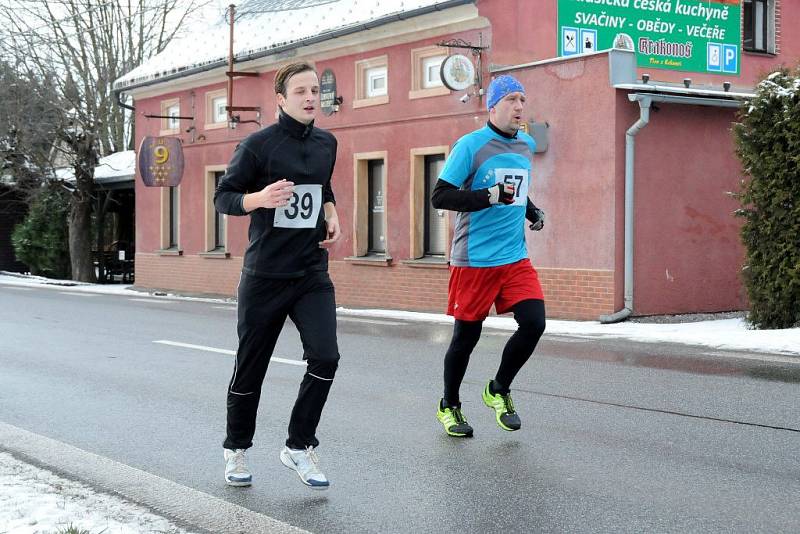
630,145
118,97
645,100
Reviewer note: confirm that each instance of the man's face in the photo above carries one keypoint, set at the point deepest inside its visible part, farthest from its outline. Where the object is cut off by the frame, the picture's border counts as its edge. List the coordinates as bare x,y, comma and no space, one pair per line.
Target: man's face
302,97
507,113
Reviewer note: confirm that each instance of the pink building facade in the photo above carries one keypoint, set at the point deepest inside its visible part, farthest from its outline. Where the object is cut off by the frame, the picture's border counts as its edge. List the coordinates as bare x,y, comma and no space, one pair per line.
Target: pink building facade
683,253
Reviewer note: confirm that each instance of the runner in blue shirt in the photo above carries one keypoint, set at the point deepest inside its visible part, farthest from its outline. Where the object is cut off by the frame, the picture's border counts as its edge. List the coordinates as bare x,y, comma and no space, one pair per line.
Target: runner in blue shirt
486,180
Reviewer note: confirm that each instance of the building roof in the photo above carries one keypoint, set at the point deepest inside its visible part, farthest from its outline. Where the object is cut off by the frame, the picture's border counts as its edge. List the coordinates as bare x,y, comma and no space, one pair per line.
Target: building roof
265,27
114,168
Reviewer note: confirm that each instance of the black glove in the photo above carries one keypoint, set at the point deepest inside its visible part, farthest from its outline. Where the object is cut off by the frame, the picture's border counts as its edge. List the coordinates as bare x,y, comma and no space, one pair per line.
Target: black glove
538,224
501,193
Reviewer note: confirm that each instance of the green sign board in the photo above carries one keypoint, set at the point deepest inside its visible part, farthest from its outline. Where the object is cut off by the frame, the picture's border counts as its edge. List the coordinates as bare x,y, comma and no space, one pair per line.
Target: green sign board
687,35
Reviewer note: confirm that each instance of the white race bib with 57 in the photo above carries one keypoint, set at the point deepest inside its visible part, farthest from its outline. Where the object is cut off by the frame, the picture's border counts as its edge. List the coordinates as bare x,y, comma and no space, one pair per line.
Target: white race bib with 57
302,210
517,177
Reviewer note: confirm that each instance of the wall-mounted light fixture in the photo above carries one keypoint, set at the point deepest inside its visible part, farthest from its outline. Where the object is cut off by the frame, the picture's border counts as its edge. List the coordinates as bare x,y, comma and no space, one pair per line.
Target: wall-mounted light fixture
645,78
465,98
726,86
687,82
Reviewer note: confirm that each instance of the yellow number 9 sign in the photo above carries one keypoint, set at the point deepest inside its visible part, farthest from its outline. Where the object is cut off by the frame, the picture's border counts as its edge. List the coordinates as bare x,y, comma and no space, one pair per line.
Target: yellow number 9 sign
160,161
161,154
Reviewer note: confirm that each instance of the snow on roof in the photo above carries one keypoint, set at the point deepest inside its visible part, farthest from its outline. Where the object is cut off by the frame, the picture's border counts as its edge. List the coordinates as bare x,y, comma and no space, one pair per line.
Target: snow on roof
116,167
263,26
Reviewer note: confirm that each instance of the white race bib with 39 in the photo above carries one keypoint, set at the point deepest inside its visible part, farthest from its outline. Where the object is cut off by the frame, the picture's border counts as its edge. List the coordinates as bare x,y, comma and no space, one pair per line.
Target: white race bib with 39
302,210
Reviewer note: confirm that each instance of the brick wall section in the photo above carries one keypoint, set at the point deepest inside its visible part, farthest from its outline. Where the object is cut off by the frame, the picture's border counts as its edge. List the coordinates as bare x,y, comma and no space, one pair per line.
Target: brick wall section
397,287
188,274
580,294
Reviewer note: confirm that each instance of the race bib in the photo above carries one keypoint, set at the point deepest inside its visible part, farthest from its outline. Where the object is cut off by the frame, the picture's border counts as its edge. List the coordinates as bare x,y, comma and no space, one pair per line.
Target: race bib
302,210
518,177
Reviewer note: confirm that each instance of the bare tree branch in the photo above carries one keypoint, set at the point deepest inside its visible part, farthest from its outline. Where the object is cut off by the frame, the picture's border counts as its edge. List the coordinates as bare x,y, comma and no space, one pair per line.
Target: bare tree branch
81,47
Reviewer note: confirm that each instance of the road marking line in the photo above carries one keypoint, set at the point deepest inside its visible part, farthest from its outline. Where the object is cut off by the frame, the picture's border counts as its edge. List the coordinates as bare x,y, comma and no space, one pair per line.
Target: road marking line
154,300
224,308
19,288
228,352
76,294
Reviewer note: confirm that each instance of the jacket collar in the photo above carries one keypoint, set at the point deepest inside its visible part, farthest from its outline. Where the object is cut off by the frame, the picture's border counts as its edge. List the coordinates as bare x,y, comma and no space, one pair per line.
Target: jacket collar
498,131
295,128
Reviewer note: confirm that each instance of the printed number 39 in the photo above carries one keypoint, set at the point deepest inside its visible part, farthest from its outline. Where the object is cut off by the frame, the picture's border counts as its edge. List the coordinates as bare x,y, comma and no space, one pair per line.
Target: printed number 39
509,179
302,206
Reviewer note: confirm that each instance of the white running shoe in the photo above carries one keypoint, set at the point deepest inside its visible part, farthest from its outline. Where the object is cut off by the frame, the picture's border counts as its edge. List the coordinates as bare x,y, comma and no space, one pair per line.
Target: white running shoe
306,464
236,471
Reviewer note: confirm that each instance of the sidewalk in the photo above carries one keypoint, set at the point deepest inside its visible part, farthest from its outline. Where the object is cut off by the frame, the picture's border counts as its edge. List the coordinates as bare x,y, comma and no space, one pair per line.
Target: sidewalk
724,334
35,501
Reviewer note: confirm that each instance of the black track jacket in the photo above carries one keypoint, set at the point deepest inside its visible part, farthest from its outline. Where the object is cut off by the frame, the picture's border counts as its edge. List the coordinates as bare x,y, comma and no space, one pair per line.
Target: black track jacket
301,154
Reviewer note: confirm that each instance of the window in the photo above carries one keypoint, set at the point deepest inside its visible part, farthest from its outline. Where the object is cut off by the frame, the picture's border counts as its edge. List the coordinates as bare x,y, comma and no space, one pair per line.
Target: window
377,241
216,116
173,218
170,111
430,228
170,219
426,66
759,26
215,223
219,219
376,81
435,227
372,82
431,67
370,207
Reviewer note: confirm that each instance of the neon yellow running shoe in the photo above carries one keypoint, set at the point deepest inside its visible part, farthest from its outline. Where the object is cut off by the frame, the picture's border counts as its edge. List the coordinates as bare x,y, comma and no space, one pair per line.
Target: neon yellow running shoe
503,407
454,422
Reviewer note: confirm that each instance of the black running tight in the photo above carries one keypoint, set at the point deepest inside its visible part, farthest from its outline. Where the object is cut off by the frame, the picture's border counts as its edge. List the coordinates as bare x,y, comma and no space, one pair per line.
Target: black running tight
530,316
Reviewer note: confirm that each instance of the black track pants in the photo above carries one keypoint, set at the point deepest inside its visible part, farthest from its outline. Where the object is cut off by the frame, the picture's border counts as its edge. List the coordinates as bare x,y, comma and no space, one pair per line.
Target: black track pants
530,317
264,305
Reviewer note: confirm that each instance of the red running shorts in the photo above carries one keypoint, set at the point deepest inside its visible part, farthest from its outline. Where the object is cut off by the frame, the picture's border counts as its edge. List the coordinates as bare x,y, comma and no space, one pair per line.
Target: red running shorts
473,290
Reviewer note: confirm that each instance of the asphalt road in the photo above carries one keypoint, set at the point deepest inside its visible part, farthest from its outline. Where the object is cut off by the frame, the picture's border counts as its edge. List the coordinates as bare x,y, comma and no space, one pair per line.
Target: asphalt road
616,437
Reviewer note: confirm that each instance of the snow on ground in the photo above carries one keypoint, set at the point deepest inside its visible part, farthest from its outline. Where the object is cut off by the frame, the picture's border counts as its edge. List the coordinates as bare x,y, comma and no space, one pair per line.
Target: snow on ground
730,334
36,501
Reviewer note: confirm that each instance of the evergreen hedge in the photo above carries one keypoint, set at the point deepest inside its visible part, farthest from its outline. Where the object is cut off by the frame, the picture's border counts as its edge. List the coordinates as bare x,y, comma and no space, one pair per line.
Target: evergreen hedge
768,145
41,241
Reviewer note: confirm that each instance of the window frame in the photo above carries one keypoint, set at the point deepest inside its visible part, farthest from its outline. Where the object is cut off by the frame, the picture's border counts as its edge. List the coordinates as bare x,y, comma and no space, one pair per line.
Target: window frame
211,217
418,222
372,247
167,218
418,74
768,32
362,95
167,128
361,203
211,122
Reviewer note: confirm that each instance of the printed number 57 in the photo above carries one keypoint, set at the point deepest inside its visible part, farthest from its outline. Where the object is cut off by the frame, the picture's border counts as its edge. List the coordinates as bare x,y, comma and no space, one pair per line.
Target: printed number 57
509,179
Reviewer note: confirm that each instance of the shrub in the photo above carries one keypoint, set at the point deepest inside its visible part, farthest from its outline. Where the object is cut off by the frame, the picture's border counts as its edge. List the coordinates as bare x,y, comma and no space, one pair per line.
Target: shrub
768,145
41,241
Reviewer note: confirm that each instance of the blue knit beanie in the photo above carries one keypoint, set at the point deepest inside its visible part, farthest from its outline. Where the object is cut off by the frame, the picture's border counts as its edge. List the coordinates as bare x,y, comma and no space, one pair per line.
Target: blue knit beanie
500,87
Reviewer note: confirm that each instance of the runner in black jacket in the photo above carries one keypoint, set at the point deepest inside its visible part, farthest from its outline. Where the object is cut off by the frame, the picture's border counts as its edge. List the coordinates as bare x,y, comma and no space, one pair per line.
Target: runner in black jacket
281,177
